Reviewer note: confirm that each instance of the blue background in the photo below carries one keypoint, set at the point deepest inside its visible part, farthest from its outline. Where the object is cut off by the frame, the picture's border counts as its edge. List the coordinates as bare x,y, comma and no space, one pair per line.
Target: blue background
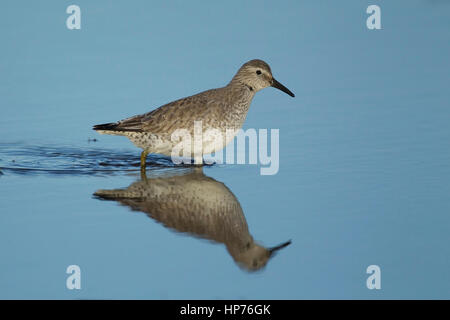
364,146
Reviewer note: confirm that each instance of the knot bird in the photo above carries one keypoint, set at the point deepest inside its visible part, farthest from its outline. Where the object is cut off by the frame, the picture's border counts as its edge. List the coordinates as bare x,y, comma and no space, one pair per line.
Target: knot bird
223,110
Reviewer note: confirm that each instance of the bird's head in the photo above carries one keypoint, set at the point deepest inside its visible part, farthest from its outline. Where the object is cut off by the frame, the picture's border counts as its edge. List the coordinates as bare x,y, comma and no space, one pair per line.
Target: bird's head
256,75
255,257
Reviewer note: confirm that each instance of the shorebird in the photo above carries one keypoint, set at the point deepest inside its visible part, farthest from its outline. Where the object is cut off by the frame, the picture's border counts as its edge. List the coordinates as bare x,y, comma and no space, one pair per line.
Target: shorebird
190,202
223,109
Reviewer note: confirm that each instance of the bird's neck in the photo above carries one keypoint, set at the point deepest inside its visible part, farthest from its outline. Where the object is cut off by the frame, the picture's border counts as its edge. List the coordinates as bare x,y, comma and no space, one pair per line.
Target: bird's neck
241,93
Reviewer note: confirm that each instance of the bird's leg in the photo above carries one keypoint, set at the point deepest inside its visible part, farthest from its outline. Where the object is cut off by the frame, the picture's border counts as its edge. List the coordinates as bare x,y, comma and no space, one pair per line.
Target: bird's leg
143,160
143,174
198,164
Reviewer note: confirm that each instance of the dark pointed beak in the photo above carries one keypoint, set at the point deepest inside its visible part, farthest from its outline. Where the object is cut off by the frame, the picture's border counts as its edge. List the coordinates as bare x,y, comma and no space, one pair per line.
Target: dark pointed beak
279,86
281,246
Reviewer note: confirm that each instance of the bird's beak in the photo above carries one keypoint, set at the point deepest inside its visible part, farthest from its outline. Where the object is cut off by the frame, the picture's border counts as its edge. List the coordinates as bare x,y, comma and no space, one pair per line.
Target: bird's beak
281,246
279,86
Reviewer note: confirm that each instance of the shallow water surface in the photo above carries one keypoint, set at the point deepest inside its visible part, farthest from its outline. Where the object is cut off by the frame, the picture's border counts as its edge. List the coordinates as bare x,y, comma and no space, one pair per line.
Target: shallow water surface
364,160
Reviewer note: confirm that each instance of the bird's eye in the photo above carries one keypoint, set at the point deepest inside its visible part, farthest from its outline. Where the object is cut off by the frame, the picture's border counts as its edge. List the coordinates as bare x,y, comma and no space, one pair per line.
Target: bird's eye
258,72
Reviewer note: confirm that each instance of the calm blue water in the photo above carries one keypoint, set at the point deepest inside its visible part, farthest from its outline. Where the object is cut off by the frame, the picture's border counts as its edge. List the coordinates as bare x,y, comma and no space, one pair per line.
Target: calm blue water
364,149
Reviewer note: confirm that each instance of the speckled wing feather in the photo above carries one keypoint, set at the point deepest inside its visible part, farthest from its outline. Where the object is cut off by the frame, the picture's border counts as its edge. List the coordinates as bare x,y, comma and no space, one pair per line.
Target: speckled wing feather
177,114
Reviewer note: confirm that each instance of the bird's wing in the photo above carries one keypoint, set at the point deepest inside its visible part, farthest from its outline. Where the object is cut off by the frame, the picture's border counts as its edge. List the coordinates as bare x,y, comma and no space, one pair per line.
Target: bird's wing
177,114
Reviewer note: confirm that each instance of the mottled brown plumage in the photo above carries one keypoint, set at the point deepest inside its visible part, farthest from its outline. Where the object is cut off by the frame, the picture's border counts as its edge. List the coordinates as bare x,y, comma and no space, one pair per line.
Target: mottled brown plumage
222,109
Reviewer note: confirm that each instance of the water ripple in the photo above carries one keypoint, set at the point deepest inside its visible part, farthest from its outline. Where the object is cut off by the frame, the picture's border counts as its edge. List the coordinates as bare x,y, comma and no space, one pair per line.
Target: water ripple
49,159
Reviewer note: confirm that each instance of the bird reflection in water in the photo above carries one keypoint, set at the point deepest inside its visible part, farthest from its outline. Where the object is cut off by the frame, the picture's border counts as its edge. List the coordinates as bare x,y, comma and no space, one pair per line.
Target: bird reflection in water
188,201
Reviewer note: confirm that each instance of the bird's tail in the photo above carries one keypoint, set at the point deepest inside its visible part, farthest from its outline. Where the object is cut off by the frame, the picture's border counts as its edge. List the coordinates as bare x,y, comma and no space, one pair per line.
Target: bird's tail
108,128
114,194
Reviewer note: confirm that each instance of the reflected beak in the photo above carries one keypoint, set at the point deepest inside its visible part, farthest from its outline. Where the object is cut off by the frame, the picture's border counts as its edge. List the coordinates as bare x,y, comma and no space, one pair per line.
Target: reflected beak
279,86
281,246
